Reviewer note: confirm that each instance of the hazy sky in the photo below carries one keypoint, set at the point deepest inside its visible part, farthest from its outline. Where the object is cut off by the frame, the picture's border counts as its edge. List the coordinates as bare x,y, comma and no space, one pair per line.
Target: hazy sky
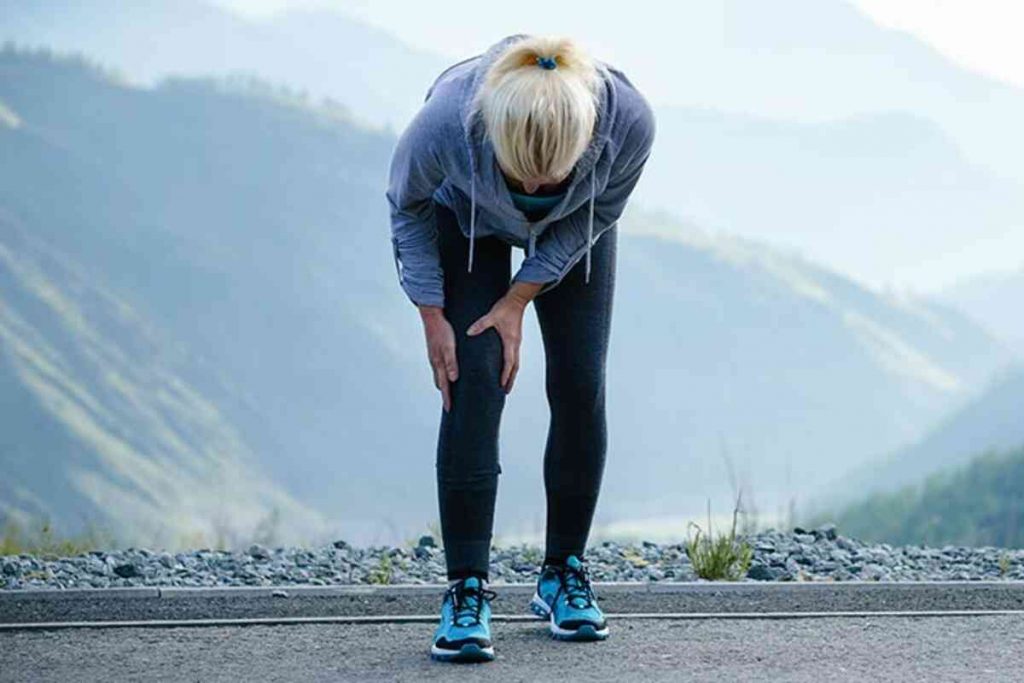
979,35
982,35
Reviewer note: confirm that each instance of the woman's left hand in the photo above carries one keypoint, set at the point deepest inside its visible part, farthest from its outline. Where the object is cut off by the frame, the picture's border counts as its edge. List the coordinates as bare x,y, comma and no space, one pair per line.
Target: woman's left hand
505,316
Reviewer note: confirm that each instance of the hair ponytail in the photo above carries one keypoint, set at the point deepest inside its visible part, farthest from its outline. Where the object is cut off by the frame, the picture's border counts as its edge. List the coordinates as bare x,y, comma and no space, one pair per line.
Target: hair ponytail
539,104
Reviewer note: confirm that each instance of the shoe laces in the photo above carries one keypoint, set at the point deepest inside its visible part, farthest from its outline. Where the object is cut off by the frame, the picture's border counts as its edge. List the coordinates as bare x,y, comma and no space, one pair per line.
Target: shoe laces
467,603
575,583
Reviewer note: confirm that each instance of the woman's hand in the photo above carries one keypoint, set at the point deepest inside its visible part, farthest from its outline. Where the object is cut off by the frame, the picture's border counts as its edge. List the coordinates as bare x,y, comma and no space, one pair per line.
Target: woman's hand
440,350
506,316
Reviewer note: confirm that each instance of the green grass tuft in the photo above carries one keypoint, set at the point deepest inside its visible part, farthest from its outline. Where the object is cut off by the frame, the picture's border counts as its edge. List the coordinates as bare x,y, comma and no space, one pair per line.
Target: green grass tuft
43,540
1004,564
722,558
384,572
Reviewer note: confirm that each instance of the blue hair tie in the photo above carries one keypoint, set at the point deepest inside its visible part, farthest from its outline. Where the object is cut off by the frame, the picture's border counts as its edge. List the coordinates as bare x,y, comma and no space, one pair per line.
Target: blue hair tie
546,62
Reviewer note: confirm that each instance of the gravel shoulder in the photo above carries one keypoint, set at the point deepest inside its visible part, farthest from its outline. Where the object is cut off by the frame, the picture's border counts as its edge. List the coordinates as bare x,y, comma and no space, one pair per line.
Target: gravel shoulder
820,554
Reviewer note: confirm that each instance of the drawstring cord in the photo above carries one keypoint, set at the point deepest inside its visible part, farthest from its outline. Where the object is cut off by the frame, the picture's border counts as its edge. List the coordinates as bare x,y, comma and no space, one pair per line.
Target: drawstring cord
472,220
533,236
590,225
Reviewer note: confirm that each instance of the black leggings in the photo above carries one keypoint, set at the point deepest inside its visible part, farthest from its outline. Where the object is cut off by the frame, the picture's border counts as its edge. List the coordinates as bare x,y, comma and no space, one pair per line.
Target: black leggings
575,321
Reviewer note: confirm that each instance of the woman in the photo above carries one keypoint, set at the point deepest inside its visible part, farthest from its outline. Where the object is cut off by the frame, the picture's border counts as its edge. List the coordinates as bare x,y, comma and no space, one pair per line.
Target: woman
532,144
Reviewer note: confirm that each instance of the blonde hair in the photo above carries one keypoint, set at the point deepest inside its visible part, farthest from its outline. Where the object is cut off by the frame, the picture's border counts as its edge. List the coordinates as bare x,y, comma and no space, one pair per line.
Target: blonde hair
540,120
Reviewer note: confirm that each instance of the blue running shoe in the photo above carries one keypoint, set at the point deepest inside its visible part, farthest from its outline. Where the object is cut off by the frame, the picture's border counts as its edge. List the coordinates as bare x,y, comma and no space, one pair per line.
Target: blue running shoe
464,633
566,599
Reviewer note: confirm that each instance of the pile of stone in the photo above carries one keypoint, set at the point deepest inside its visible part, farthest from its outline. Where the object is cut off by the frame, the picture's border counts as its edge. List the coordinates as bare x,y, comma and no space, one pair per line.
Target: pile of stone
801,555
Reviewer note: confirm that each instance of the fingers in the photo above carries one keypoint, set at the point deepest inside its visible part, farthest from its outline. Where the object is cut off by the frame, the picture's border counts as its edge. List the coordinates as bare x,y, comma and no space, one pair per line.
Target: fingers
451,365
441,380
512,378
510,361
510,349
449,370
480,325
446,395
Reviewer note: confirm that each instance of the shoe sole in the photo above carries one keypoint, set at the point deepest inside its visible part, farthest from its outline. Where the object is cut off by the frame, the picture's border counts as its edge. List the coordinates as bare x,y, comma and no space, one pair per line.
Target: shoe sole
586,632
539,607
470,652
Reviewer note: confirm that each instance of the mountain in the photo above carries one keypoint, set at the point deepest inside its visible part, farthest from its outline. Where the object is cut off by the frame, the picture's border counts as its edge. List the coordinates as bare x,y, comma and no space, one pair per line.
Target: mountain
102,427
885,195
995,300
793,371
247,225
250,227
326,54
827,134
808,61
992,420
974,504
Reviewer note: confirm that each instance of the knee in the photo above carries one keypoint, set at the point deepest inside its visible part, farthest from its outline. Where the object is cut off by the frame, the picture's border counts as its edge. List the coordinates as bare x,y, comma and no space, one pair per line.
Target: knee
578,390
479,478
480,360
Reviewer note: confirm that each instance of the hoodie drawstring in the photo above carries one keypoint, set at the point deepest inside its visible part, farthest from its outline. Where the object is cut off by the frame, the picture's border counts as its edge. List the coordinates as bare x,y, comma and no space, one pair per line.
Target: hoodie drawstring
472,220
590,225
533,236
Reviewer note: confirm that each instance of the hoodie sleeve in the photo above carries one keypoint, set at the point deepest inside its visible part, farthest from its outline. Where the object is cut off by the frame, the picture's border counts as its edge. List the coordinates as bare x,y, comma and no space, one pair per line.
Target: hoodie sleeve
564,242
415,173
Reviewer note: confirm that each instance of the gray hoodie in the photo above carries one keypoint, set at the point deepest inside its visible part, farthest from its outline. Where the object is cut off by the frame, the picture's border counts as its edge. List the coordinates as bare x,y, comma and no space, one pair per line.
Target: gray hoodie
444,156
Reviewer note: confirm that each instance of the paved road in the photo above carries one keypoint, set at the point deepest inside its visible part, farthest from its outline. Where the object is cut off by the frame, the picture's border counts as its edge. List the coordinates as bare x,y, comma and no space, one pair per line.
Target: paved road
240,603
976,648
849,631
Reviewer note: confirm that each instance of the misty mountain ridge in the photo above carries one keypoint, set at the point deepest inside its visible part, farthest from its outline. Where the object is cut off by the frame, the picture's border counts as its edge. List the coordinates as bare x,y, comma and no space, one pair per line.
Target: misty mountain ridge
101,429
995,300
323,53
874,178
265,259
976,503
823,132
990,420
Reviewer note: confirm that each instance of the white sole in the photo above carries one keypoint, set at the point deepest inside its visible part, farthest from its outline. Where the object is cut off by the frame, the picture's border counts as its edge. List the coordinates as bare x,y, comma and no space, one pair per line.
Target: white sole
556,631
455,654
541,609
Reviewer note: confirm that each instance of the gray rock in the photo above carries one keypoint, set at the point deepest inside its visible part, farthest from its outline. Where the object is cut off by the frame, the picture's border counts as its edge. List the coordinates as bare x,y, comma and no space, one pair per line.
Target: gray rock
760,572
127,571
258,552
778,556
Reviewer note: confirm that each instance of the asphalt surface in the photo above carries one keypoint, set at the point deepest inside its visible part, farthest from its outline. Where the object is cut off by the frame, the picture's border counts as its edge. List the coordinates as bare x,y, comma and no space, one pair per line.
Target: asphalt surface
852,631
23,606
983,648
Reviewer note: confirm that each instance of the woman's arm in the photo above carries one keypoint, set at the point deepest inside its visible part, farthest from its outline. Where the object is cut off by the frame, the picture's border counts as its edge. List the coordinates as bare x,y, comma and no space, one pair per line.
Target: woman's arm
564,242
506,317
414,174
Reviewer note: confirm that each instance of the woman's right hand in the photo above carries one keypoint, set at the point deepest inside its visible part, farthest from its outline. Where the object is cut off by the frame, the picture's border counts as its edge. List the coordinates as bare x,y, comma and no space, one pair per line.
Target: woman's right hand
440,350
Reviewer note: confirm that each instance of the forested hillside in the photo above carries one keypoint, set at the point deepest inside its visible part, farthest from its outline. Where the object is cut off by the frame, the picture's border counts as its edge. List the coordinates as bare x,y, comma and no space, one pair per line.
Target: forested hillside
976,504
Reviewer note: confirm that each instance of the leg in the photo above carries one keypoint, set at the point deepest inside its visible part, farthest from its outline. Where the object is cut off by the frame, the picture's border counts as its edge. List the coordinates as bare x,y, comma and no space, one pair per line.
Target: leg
575,320
467,445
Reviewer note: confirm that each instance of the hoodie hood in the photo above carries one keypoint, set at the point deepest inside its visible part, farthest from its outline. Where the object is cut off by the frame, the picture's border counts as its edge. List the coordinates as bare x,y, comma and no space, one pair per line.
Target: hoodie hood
488,183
